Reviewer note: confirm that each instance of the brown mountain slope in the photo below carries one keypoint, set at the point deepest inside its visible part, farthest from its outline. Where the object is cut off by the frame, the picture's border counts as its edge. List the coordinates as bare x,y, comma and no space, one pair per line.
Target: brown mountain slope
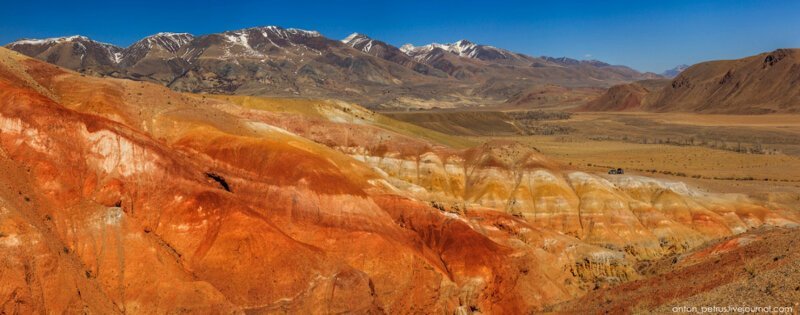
631,96
72,52
764,83
552,96
388,52
290,62
760,84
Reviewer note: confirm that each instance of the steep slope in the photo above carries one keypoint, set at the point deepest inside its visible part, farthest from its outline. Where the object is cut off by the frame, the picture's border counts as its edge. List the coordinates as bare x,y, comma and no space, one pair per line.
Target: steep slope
73,52
764,83
157,57
446,60
281,62
760,84
388,52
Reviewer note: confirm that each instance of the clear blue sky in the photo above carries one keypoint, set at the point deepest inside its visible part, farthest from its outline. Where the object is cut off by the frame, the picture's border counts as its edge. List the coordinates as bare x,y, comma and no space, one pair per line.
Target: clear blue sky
646,35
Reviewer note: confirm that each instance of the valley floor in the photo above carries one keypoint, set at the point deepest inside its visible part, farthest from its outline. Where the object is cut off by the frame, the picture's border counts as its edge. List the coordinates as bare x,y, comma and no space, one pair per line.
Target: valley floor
728,153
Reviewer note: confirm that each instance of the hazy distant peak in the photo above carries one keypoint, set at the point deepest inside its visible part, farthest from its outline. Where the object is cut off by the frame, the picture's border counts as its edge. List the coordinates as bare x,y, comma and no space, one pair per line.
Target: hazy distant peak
573,62
671,73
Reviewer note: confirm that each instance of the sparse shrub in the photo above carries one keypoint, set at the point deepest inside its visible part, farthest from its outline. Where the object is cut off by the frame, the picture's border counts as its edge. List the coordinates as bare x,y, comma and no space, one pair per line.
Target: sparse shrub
750,269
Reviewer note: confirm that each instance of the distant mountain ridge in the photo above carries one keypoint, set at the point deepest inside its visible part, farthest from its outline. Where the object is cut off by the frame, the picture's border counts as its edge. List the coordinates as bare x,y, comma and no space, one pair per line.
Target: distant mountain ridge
278,61
466,49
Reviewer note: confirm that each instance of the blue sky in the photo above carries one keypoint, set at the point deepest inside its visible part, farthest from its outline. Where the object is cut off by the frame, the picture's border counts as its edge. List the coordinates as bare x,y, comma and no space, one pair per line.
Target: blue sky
646,35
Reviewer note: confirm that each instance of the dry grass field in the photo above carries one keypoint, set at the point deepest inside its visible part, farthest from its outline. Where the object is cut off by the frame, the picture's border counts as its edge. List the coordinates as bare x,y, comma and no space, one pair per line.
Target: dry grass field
754,154
723,170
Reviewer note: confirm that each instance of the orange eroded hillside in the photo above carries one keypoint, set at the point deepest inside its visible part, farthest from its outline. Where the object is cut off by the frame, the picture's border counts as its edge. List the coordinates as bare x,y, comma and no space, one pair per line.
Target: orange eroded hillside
122,196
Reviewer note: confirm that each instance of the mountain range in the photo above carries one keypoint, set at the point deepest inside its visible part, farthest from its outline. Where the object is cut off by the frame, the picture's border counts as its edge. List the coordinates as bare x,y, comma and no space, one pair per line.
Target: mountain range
290,62
287,62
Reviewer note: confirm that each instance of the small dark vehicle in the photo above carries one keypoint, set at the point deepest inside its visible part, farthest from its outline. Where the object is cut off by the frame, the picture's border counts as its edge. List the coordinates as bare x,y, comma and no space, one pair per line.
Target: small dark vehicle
617,171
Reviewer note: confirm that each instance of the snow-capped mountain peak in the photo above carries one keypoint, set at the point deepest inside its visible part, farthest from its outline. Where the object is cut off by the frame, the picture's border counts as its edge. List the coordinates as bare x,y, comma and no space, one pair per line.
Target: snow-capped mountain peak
256,42
54,40
284,32
81,46
171,42
462,48
359,41
354,36
463,44
168,34
407,49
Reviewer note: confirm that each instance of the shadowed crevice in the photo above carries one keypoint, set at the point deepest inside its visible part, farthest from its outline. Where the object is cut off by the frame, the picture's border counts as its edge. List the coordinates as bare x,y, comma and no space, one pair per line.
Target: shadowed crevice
219,179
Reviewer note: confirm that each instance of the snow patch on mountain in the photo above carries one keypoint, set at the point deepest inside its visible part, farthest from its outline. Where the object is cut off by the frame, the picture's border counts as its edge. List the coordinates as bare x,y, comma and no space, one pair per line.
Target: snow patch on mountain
355,36
461,48
46,41
407,49
359,41
58,40
171,42
283,33
241,39
118,57
109,51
